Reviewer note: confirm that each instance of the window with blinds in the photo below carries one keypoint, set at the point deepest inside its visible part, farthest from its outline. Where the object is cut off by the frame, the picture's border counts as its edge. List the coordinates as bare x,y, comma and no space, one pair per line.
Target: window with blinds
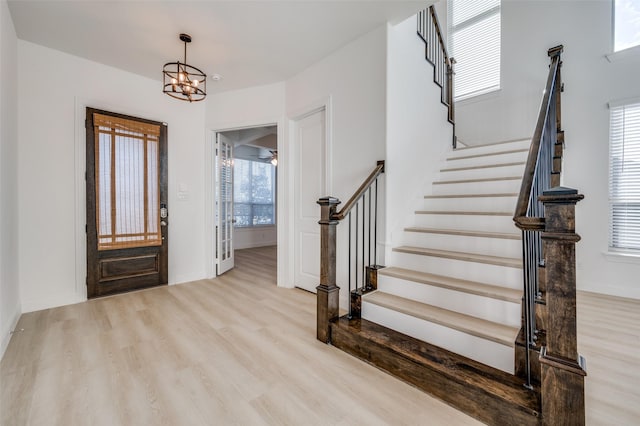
127,183
474,42
624,177
254,193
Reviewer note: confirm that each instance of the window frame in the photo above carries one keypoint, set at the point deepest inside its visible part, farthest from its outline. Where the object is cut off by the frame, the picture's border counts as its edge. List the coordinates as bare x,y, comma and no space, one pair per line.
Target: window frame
613,243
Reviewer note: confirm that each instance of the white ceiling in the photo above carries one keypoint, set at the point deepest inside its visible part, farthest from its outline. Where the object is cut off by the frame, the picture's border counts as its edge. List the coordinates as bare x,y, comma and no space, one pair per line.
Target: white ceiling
247,42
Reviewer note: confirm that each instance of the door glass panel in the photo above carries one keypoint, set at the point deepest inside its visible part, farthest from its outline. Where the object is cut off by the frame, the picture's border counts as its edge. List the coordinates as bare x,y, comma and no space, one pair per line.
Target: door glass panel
127,179
224,205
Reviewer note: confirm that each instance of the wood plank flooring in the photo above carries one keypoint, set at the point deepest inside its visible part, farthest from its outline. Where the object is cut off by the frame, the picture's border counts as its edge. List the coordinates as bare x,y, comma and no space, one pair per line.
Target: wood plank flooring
234,350
239,350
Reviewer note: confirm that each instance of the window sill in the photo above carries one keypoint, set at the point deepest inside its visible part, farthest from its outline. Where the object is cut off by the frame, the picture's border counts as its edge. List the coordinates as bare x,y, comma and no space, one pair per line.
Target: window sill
248,228
478,98
630,54
622,257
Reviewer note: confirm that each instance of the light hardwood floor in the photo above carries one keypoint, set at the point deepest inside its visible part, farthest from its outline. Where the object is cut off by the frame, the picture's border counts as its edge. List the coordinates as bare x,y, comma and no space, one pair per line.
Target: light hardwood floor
239,350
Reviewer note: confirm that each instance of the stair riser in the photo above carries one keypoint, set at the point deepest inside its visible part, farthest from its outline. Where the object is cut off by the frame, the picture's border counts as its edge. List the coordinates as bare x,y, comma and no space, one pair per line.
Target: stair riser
484,204
482,350
485,149
482,173
490,246
473,271
500,311
485,160
488,187
466,222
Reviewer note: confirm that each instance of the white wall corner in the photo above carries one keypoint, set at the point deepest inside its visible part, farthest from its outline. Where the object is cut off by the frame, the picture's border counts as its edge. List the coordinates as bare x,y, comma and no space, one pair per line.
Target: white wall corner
7,330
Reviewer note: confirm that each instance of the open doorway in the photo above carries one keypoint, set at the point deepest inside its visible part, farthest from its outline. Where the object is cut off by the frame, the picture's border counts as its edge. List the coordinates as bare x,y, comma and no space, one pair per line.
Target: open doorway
246,194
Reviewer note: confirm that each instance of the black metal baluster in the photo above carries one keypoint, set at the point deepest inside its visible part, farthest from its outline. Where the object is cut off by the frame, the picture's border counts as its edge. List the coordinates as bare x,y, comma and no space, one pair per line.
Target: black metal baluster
356,248
375,229
364,207
349,266
369,230
527,308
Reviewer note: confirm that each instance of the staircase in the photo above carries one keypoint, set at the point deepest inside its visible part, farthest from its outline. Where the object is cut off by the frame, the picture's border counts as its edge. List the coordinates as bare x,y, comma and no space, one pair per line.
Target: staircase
477,304
456,281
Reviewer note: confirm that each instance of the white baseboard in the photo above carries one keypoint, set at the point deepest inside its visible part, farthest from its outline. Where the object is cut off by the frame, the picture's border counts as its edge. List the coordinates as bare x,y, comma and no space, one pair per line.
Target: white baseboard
187,278
51,302
625,292
6,333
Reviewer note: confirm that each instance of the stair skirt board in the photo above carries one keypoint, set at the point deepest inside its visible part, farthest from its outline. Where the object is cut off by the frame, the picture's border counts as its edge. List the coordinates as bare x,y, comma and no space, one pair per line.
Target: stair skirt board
472,271
491,246
482,350
490,395
487,308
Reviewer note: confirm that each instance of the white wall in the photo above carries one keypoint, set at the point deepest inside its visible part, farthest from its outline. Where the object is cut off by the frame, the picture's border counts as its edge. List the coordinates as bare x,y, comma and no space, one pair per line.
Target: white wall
10,308
529,28
54,88
354,79
418,133
253,106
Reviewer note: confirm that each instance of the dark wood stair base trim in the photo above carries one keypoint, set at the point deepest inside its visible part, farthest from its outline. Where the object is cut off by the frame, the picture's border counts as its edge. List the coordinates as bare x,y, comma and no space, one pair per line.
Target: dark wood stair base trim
485,393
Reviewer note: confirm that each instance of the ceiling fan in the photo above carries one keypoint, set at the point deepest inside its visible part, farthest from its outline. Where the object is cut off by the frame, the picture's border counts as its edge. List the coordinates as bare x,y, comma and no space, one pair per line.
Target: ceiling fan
272,155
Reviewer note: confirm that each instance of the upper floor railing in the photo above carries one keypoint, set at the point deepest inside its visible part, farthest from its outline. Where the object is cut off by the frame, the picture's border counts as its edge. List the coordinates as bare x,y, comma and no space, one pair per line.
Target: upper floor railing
436,53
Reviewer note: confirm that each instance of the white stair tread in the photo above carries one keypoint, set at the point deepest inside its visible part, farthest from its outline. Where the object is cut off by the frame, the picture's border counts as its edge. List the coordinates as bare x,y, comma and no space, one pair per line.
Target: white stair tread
466,286
491,179
463,213
510,151
467,324
468,257
504,194
486,166
483,234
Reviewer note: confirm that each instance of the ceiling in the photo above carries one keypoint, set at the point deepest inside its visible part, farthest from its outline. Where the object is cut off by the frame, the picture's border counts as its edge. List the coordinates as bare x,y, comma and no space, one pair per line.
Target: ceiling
247,42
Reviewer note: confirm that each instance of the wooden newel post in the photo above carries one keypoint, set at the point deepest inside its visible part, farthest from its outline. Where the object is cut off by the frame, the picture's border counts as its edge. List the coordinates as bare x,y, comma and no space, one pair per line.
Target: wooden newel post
327,292
562,368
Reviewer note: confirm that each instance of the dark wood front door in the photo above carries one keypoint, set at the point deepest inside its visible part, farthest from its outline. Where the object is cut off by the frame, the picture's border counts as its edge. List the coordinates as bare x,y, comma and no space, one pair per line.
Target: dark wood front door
127,242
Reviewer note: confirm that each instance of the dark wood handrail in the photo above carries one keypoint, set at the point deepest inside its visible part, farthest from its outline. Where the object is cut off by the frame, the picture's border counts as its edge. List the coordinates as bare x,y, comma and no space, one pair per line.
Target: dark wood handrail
532,159
360,192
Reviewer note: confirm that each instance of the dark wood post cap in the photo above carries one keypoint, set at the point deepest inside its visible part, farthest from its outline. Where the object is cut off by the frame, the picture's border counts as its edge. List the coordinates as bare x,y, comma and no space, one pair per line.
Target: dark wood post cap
328,201
560,195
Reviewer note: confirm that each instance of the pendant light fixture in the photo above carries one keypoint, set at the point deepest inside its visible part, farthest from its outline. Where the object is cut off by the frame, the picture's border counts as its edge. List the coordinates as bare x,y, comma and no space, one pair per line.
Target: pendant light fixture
183,81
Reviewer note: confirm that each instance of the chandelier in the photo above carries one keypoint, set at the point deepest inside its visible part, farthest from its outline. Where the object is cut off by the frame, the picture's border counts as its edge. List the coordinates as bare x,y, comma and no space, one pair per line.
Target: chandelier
183,81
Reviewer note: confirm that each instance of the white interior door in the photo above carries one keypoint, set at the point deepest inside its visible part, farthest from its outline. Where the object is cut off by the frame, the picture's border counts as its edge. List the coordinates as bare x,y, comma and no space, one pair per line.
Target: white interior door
310,184
224,205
